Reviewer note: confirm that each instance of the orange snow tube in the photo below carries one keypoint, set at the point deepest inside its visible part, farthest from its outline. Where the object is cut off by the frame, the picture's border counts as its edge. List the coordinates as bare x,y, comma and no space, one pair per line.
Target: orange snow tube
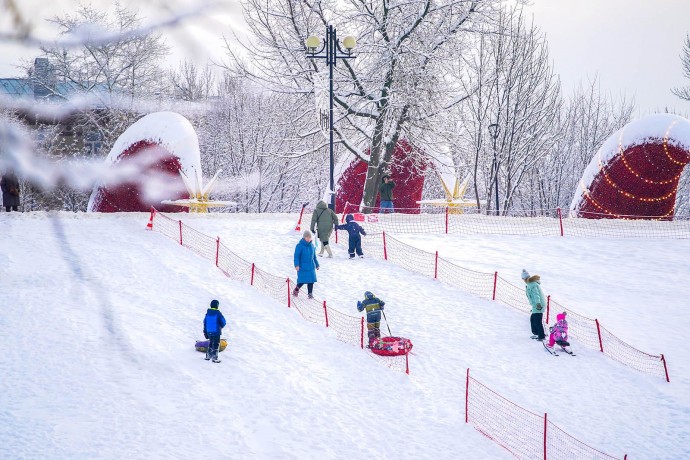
390,346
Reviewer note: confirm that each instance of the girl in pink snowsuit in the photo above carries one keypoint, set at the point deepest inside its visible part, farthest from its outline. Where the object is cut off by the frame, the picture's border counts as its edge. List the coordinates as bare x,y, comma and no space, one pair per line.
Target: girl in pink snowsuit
559,332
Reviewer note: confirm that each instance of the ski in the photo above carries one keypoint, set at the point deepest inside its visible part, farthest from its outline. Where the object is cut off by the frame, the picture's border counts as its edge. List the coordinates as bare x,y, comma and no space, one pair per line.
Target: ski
550,351
568,351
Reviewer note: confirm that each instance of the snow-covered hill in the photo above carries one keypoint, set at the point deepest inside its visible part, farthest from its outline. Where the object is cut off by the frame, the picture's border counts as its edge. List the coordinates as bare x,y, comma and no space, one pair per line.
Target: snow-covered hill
99,319
97,326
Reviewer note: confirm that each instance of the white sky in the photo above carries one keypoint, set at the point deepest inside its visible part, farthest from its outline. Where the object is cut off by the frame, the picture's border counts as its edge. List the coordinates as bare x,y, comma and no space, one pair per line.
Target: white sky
632,45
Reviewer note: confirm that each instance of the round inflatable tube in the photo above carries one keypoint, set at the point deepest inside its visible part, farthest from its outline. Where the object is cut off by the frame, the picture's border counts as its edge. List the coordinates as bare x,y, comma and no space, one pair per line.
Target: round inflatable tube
390,346
202,345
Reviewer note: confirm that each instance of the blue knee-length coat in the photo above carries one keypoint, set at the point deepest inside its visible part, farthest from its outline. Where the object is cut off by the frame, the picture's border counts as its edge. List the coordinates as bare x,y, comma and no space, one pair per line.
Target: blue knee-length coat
305,259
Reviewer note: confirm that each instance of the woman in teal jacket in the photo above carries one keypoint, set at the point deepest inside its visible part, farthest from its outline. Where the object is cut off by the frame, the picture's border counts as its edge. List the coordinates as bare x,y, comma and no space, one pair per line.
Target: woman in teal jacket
536,299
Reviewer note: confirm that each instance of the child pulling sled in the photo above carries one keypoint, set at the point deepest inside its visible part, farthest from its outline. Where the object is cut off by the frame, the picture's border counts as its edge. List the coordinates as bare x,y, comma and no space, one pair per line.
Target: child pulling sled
373,306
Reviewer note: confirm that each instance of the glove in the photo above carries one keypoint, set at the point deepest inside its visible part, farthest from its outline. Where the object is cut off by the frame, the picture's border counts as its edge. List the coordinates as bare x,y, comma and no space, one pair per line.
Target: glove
538,306
205,335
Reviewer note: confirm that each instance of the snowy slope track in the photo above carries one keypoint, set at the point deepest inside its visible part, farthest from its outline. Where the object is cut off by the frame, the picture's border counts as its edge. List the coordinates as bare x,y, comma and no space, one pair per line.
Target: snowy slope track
348,329
491,414
593,399
586,331
97,333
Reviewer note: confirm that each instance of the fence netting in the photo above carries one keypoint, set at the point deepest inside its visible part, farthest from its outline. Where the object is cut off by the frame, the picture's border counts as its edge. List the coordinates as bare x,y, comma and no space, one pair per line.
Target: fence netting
521,432
535,222
587,331
518,430
347,328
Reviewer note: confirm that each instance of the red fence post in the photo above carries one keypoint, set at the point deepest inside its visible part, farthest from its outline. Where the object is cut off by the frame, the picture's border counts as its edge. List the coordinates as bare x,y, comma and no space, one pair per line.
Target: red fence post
361,336
217,248
601,345
436,267
289,293
180,231
385,251
251,282
493,297
299,221
325,312
407,363
545,422
149,226
663,360
467,397
548,308
560,219
446,220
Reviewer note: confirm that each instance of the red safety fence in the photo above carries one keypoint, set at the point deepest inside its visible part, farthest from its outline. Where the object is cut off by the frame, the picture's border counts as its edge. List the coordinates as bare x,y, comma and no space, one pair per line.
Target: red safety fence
521,432
539,222
348,329
587,331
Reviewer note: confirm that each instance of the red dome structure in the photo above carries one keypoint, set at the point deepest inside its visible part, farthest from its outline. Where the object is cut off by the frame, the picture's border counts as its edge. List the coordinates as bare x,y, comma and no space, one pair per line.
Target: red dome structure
637,171
143,165
406,171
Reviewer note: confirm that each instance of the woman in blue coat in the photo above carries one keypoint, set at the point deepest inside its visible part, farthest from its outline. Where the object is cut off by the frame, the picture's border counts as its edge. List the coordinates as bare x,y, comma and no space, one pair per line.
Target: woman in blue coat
305,264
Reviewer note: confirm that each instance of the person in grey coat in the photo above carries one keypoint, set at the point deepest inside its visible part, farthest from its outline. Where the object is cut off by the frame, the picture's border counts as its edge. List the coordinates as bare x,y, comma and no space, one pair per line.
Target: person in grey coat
323,221
10,191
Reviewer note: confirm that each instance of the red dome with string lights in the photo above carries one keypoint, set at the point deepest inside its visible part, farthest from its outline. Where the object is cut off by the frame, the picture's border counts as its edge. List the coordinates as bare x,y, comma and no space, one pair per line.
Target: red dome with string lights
637,171
143,166
406,170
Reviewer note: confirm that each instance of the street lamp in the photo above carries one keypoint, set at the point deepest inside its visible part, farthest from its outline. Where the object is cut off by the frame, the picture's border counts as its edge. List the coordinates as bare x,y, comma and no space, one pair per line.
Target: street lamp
494,129
331,51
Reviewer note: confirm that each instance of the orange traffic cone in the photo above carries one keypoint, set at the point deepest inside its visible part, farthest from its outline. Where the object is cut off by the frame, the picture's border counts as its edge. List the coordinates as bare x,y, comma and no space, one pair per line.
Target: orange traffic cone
149,226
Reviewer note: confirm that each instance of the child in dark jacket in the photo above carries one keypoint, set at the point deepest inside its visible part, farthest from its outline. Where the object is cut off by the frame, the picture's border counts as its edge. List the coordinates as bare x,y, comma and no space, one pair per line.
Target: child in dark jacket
214,322
373,305
354,239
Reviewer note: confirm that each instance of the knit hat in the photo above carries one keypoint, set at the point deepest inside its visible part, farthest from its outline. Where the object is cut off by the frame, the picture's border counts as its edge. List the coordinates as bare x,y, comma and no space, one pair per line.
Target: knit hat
524,275
214,304
306,234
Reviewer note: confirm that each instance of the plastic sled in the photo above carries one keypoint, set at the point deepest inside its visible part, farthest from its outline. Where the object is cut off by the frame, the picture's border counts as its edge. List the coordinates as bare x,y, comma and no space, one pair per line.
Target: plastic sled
202,345
390,346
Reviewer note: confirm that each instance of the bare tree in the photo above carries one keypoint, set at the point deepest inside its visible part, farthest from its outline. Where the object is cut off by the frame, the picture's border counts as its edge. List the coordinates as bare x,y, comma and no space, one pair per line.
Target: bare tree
191,83
518,91
683,92
254,137
589,117
398,79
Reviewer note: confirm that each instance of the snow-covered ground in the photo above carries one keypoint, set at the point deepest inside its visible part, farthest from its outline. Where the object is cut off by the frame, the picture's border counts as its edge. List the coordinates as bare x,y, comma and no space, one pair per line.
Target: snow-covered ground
637,288
603,403
97,328
99,320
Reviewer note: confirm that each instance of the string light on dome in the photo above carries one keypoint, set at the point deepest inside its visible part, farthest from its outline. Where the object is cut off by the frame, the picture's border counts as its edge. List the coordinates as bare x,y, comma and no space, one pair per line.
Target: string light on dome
621,152
665,145
634,197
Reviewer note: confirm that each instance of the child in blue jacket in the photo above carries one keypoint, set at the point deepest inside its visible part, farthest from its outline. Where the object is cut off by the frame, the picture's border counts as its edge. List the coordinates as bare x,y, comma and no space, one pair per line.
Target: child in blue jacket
354,239
214,322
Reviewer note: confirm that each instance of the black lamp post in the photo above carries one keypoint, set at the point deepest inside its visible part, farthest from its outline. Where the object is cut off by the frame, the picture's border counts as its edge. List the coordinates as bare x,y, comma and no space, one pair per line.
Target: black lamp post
331,52
494,129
